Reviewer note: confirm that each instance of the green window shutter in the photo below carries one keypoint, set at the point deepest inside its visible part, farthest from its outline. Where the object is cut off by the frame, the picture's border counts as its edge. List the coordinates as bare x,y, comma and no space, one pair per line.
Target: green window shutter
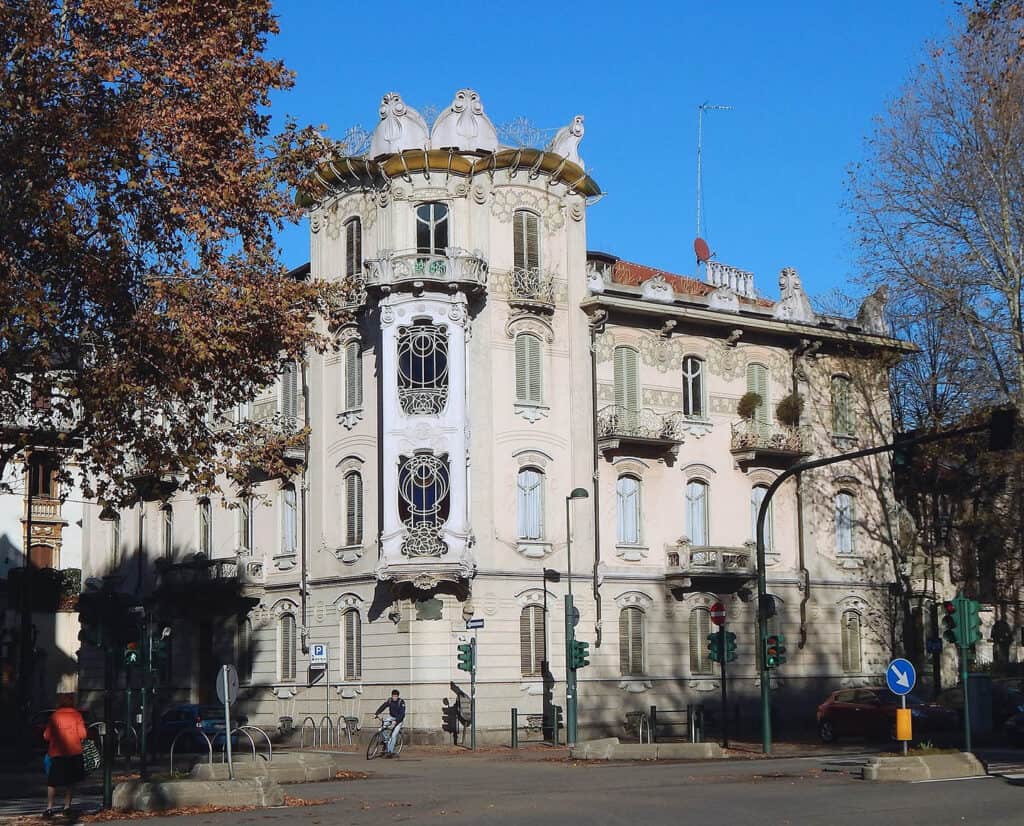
527,642
522,369
353,509
529,378
624,642
757,382
353,388
842,409
627,380
353,645
526,240
353,247
290,391
636,641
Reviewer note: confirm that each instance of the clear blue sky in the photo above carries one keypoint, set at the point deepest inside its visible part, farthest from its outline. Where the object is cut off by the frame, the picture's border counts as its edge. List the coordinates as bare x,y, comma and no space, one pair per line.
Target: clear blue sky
805,80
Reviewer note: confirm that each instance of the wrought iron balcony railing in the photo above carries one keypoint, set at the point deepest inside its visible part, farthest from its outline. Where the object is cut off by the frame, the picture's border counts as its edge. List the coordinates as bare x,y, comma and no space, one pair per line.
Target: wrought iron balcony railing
619,422
456,267
534,286
761,443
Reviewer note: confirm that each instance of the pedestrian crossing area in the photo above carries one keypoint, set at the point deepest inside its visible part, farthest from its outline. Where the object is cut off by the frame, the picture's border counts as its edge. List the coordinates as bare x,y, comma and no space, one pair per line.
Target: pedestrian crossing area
16,807
1011,770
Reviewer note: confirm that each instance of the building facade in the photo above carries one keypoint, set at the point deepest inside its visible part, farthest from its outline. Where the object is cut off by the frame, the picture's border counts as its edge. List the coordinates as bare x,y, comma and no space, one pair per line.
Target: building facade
488,366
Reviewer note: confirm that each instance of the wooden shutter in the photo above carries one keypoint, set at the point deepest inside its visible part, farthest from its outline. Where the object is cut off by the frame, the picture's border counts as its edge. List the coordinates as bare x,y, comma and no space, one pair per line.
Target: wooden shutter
700,627
287,643
353,247
627,388
851,641
529,380
290,391
526,644
353,645
757,382
842,410
636,641
353,380
353,509
624,642
526,241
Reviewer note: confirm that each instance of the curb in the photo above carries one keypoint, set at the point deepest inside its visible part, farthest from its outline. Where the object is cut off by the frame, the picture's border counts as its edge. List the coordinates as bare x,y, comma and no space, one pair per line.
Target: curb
610,748
136,796
931,767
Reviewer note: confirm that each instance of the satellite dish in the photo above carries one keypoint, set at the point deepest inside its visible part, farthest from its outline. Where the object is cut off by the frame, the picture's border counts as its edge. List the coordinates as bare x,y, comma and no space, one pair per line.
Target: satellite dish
700,246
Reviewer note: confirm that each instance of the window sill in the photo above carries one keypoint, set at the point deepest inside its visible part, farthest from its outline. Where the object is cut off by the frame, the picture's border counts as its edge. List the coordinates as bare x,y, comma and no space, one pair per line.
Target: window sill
350,418
349,553
635,684
631,553
531,412
533,548
285,562
696,426
850,561
844,441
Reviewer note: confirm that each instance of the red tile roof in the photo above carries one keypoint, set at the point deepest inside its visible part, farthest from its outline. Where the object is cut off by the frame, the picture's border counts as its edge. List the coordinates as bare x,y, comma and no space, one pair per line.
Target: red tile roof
630,274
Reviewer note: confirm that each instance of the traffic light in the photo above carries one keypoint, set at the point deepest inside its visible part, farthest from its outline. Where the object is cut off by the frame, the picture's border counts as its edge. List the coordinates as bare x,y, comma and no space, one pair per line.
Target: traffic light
449,716
949,622
90,617
580,654
131,654
969,620
715,646
730,646
467,657
774,650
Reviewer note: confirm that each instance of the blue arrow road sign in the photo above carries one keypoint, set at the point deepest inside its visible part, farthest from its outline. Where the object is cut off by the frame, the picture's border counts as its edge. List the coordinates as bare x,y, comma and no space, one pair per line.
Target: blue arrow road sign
900,676
477,622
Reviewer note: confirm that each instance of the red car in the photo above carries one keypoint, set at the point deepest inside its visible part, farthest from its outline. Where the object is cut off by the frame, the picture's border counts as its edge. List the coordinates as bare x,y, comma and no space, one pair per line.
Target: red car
871,712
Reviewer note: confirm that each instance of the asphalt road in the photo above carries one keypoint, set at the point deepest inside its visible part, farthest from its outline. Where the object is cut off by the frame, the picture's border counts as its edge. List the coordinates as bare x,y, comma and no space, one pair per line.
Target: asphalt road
453,790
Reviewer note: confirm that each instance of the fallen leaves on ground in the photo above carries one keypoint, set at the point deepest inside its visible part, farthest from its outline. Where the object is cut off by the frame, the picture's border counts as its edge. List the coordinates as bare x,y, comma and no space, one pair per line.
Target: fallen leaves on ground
350,775
103,817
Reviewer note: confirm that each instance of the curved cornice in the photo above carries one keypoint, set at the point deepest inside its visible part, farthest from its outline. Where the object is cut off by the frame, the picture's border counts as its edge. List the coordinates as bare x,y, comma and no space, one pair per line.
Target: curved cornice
342,172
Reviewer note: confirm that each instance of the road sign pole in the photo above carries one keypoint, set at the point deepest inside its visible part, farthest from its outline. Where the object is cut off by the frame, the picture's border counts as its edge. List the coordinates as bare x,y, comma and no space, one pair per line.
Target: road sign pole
327,684
967,703
227,719
903,705
472,697
724,656
570,676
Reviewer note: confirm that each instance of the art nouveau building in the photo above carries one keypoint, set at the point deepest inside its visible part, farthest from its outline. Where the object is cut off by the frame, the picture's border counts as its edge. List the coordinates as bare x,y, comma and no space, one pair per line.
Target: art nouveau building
491,365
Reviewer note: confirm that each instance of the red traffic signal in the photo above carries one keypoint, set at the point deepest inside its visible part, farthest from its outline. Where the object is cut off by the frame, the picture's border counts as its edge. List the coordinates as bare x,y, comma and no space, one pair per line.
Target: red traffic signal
949,621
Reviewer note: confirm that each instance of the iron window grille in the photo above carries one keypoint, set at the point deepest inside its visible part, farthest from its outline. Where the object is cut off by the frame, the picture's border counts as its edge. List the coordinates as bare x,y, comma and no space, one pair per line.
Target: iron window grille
423,368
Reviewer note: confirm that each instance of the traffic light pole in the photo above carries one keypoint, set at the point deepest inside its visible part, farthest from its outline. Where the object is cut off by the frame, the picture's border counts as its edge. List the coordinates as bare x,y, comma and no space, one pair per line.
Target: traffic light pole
108,726
725,683
472,697
967,705
147,679
570,675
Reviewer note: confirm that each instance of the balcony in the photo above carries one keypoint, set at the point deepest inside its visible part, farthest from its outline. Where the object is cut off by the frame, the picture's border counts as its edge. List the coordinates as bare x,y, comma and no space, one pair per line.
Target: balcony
408,269
620,427
757,444
150,483
202,586
715,568
531,289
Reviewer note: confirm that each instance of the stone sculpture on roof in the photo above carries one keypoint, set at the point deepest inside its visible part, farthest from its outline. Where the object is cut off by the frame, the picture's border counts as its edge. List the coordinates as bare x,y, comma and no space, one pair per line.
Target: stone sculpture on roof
871,315
567,141
401,127
794,304
463,125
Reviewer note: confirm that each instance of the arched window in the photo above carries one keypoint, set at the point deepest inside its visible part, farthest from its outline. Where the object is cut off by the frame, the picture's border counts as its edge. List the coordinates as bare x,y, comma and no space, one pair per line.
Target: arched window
700,627
114,528
529,379
205,527
353,508
693,388
286,648
627,495
851,642
352,379
845,520
423,368
289,401
353,247
245,533
631,642
842,406
289,520
526,240
431,228
757,494
167,531
627,384
243,656
353,645
697,512
757,382
530,503
531,640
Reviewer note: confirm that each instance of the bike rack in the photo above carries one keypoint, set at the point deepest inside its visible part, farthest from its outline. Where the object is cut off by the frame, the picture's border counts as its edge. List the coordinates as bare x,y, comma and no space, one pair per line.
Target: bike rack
209,745
331,739
302,732
344,726
224,748
120,733
270,745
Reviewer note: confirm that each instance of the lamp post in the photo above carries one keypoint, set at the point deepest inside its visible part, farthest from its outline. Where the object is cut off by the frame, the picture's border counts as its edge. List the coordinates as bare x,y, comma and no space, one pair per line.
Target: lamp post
570,626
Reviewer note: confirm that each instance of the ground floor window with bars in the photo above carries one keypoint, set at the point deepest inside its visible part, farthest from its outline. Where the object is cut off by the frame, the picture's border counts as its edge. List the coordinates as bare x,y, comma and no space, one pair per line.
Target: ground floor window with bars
531,640
631,642
851,642
286,656
352,645
700,627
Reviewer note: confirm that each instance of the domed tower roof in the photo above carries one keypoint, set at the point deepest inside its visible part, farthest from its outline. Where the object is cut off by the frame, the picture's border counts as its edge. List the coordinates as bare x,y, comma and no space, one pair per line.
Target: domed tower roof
401,127
464,126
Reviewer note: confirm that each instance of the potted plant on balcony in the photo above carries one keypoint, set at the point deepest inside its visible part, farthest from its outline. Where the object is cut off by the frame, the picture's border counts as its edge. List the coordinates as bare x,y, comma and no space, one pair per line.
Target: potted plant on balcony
745,435
788,411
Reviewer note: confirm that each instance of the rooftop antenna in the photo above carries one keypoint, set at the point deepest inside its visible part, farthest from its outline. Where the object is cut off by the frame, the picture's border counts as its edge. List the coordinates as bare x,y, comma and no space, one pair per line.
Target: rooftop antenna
700,246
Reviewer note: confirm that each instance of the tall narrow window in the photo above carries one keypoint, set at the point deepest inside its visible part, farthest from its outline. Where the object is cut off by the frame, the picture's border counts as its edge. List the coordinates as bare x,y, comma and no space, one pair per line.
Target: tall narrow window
423,500
530,503
289,520
851,643
41,477
243,656
845,521
531,640
353,248
205,527
289,402
697,512
693,387
431,228
757,494
423,368
700,627
353,645
627,495
167,531
243,412
286,648
631,642
245,525
526,240
757,382
352,381
353,485
842,410
529,384
627,386
114,526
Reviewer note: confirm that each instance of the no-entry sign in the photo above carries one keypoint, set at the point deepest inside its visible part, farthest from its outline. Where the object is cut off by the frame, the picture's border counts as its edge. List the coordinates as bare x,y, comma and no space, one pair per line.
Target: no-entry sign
717,613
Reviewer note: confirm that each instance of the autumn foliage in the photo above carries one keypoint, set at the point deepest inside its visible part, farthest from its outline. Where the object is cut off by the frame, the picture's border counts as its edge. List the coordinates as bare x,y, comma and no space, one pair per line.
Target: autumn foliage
140,190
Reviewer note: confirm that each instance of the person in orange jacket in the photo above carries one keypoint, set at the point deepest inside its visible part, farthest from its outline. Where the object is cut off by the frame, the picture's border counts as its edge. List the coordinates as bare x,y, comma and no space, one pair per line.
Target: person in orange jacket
64,733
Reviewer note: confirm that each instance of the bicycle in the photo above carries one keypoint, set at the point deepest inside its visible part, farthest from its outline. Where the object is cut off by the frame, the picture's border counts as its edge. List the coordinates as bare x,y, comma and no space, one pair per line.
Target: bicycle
378,742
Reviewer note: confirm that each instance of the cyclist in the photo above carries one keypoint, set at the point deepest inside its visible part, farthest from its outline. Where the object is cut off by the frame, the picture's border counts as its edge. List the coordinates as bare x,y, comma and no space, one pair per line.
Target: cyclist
396,710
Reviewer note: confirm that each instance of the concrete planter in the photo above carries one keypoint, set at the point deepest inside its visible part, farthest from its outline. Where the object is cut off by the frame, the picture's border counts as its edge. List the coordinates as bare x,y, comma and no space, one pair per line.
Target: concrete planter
135,796
289,767
611,749
928,767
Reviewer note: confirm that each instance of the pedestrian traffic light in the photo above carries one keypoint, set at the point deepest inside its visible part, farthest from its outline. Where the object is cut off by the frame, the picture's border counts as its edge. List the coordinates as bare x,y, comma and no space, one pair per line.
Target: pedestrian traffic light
449,717
774,650
969,621
131,654
467,657
730,647
715,646
949,622
580,654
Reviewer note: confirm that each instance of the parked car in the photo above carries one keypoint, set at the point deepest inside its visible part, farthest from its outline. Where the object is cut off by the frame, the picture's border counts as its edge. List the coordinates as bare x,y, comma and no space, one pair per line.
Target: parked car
1014,729
871,712
196,720
1006,701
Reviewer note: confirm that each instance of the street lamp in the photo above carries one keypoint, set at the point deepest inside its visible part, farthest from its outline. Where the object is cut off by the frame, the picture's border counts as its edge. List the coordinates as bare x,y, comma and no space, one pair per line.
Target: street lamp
570,626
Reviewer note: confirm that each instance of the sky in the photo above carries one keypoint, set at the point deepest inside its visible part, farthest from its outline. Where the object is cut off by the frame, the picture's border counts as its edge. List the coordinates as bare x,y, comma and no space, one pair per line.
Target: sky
805,80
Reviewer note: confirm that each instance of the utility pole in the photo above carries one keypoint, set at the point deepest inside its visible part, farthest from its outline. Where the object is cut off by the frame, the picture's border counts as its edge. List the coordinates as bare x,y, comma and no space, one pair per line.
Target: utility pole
570,629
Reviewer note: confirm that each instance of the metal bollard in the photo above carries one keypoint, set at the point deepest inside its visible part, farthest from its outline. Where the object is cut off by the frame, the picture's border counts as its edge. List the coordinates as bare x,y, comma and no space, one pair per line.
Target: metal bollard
691,723
654,724
515,728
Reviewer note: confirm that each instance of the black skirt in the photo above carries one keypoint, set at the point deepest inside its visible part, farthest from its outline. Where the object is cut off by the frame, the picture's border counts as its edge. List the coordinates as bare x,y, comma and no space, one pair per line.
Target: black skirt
65,771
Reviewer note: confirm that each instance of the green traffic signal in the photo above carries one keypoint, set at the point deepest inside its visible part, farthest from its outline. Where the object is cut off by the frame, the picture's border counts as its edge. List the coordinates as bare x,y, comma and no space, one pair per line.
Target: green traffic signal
131,654
774,650
715,646
971,622
467,657
580,654
730,646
